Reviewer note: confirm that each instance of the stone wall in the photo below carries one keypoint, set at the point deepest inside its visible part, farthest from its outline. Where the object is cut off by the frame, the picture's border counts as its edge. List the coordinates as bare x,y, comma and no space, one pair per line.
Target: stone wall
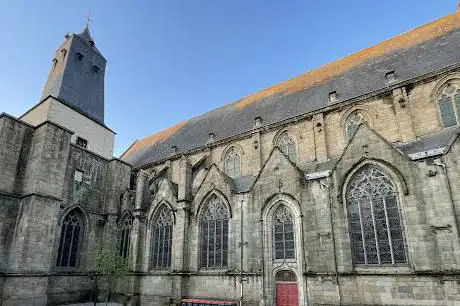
324,266
8,214
15,137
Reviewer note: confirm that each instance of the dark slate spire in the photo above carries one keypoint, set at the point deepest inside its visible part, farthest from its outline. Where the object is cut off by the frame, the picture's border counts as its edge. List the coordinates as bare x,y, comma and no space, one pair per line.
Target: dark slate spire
86,35
77,75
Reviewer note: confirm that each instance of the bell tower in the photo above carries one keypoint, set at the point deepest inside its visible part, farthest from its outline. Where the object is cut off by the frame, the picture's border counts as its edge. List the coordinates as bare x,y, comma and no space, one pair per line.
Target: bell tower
77,73
73,96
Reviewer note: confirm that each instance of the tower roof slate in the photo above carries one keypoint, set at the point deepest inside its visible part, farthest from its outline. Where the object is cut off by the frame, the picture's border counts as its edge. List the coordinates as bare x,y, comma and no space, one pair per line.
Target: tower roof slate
426,49
86,37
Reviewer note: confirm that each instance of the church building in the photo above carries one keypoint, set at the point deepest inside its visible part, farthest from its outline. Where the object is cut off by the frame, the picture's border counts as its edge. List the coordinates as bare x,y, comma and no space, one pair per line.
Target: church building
337,187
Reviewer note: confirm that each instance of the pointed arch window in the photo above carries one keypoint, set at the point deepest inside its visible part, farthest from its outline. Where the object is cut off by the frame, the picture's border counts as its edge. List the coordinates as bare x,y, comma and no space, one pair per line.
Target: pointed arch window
214,234
124,238
162,239
233,163
374,220
353,122
70,240
449,104
283,233
287,145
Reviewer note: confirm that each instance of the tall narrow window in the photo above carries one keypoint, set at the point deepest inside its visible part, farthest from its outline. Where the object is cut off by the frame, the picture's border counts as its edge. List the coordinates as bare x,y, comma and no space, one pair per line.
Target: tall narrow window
287,146
283,233
353,122
161,239
233,163
124,238
69,243
449,103
214,234
373,215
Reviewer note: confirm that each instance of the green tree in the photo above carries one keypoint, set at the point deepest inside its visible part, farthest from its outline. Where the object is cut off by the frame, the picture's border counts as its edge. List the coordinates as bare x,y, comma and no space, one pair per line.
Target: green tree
108,267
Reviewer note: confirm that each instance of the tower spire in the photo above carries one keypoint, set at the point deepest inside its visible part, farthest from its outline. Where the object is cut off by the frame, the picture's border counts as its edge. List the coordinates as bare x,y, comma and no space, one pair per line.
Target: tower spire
85,32
88,19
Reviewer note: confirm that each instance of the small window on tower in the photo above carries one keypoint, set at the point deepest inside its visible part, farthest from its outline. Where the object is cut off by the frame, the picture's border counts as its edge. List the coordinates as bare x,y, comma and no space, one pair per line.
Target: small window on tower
79,56
82,142
55,61
78,176
95,70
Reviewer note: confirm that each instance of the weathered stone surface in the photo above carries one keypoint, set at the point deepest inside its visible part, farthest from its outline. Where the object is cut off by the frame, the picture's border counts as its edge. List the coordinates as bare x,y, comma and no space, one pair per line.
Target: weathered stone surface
44,177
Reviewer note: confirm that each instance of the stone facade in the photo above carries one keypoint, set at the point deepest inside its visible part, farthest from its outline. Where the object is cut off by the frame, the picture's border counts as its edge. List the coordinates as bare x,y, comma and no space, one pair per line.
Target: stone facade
392,145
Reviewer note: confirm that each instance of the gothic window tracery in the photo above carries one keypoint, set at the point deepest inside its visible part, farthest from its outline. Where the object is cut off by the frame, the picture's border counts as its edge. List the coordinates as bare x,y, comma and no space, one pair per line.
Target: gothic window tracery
124,238
214,234
162,239
449,104
374,220
70,240
233,163
287,145
283,233
353,122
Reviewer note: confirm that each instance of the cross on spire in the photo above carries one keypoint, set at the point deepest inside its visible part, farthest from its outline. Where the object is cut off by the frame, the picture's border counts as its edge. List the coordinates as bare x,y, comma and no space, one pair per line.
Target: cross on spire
88,18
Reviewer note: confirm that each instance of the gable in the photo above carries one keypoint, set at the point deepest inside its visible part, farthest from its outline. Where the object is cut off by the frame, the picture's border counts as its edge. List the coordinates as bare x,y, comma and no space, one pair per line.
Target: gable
215,180
278,175
366,144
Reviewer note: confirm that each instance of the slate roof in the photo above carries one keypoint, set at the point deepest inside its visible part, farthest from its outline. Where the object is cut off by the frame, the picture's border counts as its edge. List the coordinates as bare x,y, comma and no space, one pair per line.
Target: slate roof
244,183
426,49
86,37
428,145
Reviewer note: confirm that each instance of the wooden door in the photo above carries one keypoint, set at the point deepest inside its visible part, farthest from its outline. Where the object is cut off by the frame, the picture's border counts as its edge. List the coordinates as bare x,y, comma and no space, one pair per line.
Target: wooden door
287,292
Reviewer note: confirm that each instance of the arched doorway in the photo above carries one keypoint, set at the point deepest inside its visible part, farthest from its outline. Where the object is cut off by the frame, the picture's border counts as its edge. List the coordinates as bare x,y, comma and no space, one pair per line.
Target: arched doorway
287,291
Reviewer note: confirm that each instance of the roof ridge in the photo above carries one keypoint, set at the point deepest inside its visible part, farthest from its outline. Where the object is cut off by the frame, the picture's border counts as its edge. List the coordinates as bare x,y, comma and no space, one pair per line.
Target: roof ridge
324,73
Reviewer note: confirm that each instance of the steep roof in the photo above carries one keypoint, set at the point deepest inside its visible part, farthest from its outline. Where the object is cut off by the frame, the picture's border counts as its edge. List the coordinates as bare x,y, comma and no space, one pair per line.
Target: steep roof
86,37
425,49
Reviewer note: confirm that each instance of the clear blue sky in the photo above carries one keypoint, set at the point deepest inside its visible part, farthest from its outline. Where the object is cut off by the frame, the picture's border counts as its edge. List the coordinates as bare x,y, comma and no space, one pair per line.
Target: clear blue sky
170,60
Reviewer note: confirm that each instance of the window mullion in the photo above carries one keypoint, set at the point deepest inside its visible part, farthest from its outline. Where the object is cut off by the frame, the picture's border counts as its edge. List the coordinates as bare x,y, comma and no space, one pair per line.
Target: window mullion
70,246
157,245
221,243
390,242
215,241
123,252
371,202
454,107
207,255
63,244
163,246
129,242
362,230
284,242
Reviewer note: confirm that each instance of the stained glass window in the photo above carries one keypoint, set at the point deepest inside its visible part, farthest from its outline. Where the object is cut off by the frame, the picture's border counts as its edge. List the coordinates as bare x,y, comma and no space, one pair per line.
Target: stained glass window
285,276
287,146
69,243
214,234
162,239
449,103
374,220
124,239
283,232
233,163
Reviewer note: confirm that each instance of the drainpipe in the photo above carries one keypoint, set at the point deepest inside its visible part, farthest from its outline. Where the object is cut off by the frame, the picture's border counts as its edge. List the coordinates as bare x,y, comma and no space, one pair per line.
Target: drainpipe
302,245
263,258
242,244
328,186
451,197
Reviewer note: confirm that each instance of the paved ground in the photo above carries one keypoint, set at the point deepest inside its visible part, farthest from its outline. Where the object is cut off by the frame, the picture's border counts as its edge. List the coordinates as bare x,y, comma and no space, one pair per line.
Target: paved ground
91,304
